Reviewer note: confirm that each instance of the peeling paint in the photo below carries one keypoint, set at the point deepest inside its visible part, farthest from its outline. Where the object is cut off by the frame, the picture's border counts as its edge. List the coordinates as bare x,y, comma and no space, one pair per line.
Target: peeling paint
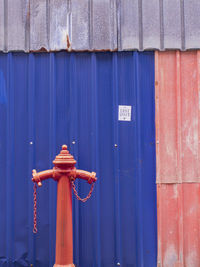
192,259
178,225
175,190
170,257
190,129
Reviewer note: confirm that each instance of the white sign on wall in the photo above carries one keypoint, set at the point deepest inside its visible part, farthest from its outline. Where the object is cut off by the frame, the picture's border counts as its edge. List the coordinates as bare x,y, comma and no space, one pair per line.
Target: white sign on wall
124,113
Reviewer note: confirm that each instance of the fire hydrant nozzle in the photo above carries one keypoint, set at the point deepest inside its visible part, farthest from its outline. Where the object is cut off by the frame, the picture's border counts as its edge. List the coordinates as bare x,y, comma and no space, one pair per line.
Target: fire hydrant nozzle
90,177
64,172
40,176
56,173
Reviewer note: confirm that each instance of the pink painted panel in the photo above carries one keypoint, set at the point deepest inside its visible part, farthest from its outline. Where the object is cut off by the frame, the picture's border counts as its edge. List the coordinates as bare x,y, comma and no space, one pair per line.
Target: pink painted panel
177,82
178,225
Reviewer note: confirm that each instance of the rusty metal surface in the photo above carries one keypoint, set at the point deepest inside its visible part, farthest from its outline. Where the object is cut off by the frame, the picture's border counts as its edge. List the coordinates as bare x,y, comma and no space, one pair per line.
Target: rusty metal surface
178,225
177,82
99,25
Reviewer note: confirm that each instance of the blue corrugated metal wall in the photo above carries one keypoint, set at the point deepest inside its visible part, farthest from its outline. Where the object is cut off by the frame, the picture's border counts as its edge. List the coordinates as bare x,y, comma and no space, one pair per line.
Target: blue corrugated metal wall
47,100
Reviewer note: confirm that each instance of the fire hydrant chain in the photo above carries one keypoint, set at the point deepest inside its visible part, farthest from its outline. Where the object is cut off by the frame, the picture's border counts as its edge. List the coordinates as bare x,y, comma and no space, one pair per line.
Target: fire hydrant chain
35,201
76,193
35,208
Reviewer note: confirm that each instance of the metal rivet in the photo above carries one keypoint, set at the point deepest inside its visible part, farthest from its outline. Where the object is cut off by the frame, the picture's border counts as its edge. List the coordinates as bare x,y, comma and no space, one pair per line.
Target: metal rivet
115,145
31,143
73,142
118,263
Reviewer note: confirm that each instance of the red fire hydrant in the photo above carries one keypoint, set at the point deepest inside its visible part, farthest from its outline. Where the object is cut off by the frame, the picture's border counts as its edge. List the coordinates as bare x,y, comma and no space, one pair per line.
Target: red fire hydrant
64,173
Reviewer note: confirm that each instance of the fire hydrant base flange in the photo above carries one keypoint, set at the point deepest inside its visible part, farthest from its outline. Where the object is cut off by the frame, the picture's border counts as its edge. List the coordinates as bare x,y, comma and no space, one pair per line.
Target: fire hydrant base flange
68,265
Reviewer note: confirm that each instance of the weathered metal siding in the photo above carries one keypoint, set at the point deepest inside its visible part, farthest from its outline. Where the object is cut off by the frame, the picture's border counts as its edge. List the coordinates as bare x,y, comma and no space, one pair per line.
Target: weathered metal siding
177,77
178,225
99,25
50,99
177,116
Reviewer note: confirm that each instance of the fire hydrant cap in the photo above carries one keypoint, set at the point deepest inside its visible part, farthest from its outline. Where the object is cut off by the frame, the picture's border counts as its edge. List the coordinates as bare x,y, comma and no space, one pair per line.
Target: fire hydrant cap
64,158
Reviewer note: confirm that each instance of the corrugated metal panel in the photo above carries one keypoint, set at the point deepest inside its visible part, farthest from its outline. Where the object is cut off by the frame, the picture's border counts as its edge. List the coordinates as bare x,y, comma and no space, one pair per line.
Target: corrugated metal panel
178,225
50,99
177,77
99,25
177,116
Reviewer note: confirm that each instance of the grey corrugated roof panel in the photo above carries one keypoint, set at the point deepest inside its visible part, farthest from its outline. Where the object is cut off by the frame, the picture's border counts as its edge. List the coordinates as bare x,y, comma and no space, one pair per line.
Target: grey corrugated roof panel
95,25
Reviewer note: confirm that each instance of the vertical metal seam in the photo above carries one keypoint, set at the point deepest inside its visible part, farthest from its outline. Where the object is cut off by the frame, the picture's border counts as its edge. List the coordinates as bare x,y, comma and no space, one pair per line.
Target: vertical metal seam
157,115
10,160
198,212
161,25
112,23
139,152
196,114
198,88
179,152
182,12
178,117
90,20
116,160
119,31
96,158
27,27
180,224
52,150
6,25
31,101
69,20
158,178
140,23
159,225
8,183
48,23
74,136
